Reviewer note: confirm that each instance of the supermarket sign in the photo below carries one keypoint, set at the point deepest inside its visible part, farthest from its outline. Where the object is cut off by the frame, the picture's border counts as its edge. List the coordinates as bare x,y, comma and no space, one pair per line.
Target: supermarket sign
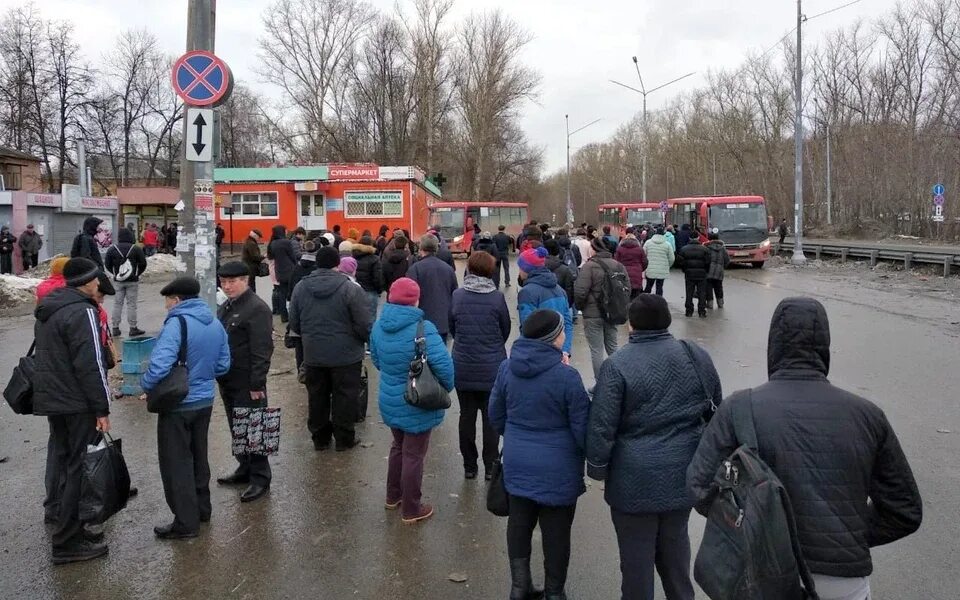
355,172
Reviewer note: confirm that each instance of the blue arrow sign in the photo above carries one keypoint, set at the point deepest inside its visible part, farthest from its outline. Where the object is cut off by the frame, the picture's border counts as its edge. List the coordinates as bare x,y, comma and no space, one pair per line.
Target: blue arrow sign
939,190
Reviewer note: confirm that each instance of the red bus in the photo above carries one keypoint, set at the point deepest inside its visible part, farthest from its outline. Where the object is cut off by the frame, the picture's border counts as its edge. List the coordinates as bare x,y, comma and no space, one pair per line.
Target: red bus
454,221
622,214
740,221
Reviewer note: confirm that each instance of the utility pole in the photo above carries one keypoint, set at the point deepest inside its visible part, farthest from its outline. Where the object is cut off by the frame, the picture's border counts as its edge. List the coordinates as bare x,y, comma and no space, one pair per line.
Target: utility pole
829,177
569,200
798,257
82,167
196,236
714,173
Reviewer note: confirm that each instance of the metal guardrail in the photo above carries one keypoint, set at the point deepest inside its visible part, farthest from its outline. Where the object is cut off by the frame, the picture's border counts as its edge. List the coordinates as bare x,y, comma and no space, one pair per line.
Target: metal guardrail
908,255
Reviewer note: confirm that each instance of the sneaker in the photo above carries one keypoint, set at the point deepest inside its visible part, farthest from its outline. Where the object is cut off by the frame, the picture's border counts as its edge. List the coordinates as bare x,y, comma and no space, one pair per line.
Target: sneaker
79,552
115,332
470,474
134,332
392,504
426,511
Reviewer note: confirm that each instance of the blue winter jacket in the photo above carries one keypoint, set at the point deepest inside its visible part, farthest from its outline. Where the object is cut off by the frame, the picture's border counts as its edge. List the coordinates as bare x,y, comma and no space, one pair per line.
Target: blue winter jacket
208,352
392,350
437,280
541,408
540,290
480,326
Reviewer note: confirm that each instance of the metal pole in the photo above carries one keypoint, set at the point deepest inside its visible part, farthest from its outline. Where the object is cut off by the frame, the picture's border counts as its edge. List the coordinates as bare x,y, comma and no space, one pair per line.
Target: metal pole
646,139
714,173
569,201
829,179
197,228
82,167
798,256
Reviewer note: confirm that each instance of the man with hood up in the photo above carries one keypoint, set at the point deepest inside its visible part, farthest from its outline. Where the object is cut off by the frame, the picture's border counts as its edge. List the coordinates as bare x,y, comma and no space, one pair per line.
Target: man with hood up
836,454
283,253
85,243
7,244
126,262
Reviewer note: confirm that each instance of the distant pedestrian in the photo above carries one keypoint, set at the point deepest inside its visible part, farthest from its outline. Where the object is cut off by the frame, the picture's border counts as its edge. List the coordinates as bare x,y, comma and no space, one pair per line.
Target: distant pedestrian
484,243
7,244
182,432
306,266
395,260
541,290
126,262
296,239
569,252
601,333
369,273
782,230
539,405
172,238
283,253
683,237
694,259
480,326
645,422
632,256
660,257
251,257
583,245
836,454
345,248
719,261
565,277
381,242
30,244
437,281
151,239
337,238
249,327
668,234
610,241
332,317
393,348
219,234
505,244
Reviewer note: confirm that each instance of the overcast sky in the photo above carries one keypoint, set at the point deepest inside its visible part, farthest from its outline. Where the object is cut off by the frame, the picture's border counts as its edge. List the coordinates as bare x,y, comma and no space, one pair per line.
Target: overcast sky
578,45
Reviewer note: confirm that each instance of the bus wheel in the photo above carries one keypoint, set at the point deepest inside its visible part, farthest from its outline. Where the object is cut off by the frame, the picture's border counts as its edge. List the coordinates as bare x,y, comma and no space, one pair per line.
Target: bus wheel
758,264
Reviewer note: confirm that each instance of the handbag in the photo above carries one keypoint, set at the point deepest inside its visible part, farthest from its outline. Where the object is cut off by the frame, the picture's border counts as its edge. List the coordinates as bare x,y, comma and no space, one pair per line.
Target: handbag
423,389
710,407
19,390
256,430
263,269
105,483
173,388
498,500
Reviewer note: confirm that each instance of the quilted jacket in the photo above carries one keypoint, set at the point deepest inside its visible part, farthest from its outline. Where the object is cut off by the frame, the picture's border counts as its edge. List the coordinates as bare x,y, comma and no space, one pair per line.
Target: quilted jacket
437,281
837,455
540,407
646,421
694,259
480,326
660,257
392,350
631,255
541,290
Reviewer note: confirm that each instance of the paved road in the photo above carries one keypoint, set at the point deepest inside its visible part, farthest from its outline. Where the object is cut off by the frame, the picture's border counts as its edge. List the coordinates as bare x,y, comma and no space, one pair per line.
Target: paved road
322,533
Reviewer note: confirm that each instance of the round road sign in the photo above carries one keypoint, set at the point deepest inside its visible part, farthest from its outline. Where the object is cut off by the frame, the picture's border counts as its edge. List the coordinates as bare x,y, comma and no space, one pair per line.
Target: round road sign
664,207
939,190
201,79
938,200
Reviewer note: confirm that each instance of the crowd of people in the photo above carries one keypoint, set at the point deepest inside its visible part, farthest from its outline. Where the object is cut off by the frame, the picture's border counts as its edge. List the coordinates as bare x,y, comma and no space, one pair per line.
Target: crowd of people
653,425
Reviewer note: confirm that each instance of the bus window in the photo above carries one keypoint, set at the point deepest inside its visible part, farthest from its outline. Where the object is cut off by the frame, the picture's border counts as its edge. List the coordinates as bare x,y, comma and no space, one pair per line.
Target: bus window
640,216
447,221
610,216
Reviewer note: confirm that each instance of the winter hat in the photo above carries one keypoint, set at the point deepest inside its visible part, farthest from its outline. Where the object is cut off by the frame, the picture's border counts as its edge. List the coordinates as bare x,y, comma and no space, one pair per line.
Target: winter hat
309,247
80,271
331,239
57,264
366,240
234,269
183,286
348,266
649,312
327,258
346,246
598,245
353,234
544,325
104,286
404,291
531,259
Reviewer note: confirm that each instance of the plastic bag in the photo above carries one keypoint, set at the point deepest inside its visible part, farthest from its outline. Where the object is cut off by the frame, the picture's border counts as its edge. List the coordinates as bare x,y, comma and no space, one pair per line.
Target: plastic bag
105,484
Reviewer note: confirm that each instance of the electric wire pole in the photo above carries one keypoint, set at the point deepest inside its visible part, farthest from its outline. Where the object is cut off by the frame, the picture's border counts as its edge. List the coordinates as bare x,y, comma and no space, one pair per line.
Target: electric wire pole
798,257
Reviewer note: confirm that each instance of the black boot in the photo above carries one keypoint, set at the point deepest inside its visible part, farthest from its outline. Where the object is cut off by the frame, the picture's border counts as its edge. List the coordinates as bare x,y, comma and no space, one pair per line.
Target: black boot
522,586
719,302
554,589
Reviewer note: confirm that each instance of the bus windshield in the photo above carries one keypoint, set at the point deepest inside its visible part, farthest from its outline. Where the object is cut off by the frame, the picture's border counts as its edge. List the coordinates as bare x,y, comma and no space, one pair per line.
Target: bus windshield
449,222
739,217
641,216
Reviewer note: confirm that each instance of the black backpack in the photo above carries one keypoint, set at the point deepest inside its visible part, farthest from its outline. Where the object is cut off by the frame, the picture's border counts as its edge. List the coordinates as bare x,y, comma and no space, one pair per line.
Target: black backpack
750,548
614,294
570,260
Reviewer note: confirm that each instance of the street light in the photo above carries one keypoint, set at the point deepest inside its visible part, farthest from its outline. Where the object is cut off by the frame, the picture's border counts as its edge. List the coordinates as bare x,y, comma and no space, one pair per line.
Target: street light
569,133
643,91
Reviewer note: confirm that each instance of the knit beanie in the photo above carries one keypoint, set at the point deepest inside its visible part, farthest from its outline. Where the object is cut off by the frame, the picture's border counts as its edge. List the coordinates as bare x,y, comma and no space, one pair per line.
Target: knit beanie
353,234
532,258
57,264
346,246
649,312
404,291
80,271
327,258
544,325
348,266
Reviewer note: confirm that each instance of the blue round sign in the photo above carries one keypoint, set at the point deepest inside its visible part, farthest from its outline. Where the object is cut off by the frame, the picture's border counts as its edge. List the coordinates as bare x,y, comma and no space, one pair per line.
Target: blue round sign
939,190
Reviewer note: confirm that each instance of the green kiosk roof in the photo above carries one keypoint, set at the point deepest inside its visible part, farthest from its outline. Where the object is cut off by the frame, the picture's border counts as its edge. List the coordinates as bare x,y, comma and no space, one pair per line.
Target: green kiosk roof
271,174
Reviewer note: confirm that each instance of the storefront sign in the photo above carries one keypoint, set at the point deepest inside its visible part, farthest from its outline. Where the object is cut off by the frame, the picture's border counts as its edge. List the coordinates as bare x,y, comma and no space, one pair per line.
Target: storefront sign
305,186
402,173
49,200
334,204
340,172
99,203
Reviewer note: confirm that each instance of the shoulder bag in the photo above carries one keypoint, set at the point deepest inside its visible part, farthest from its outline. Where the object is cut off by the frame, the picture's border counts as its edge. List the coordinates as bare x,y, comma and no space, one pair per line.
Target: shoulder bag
423,389
709,404
498,500
19,391
172,389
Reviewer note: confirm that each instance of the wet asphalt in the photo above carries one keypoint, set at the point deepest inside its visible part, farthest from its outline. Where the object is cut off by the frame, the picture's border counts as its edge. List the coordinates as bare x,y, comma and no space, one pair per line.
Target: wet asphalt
322,532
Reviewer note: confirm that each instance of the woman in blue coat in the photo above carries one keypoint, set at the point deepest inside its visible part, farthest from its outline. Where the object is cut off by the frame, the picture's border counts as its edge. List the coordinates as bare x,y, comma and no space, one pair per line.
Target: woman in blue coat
540,406
480,325
392,349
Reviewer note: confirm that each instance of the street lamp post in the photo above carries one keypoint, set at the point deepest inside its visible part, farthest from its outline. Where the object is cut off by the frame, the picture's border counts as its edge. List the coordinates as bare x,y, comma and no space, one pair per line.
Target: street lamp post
798,257
569,133
643,91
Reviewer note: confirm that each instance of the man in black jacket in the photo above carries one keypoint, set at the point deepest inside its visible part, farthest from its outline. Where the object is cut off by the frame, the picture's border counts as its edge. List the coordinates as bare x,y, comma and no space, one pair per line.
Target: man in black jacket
284,256
85,243
369,272
71,390
504,244
7,244
565,278
839,459
695,259
249,325
332,317
126,262
437,280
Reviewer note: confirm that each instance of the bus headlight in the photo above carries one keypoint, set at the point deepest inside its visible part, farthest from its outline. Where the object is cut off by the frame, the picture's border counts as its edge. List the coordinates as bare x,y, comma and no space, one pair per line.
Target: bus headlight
764,244
459,239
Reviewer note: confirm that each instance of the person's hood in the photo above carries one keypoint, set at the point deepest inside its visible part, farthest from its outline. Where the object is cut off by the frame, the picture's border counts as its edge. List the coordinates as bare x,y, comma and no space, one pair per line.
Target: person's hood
715,245
396,256
553,262
478,285
395,317
694,241
324,283
90,225
361,250
564,241
194,308
541,276
529,358
603,254
279,232
125,236
799,338
630,242
659,238
57,299
666,234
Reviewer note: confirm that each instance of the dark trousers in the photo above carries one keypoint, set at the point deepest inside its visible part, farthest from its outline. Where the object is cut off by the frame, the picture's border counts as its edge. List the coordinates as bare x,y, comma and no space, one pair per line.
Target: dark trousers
30,260
71,434
254,466
6,263
503,266
654,539
332,393
52,480
184,469
634,292
714,289
555,523
698,288
650,284
405,470
472,402
252,280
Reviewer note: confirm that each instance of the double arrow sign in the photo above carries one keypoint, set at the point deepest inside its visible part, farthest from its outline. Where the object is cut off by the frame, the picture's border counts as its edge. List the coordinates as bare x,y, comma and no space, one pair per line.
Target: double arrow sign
200,134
